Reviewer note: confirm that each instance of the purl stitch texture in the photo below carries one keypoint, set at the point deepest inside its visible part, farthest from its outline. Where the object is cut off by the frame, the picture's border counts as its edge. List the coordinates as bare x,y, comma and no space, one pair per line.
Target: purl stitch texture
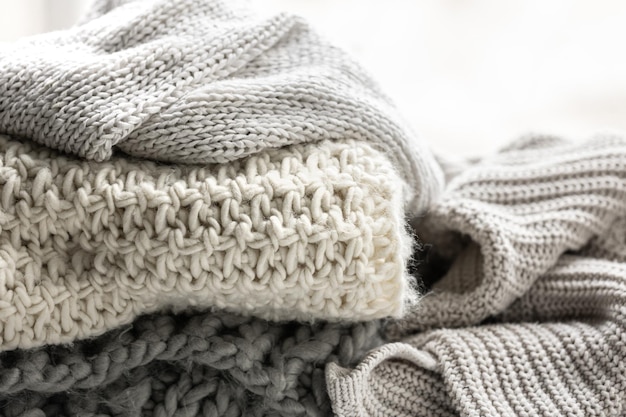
213,365
530,316
198,81
312,231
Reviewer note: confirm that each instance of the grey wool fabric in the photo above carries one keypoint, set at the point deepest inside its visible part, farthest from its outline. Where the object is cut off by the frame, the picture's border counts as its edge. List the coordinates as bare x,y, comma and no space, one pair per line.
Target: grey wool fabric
198,81
199,364
529,316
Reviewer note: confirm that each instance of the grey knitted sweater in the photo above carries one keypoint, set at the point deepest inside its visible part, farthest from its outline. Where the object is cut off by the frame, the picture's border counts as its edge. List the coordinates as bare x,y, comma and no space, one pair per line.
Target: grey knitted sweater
529,317
198,81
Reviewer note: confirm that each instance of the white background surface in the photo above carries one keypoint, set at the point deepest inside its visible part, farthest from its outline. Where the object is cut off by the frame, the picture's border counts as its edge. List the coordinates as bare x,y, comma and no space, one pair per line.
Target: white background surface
469,75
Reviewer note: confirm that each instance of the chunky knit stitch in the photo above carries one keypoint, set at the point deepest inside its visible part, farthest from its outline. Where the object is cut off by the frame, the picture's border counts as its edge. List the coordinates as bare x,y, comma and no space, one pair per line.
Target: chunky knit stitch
198,81
312,231
211,365
530,316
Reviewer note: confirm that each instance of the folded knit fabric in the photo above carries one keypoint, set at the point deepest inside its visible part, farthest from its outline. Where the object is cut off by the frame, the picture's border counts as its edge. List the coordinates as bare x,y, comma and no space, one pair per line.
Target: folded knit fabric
213,365
198,81
536,290
311,231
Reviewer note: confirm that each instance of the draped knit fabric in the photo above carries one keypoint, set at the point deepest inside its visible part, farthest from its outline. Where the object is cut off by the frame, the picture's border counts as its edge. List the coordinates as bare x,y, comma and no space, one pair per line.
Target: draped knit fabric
529,317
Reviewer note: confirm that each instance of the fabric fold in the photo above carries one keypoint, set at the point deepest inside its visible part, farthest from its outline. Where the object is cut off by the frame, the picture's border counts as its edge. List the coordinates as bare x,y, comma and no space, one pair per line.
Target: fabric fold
515,214
558,351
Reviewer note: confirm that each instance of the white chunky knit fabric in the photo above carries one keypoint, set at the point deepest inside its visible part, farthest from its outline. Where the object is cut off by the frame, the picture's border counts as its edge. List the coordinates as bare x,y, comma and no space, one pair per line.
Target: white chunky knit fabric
529,318
198,81
305,232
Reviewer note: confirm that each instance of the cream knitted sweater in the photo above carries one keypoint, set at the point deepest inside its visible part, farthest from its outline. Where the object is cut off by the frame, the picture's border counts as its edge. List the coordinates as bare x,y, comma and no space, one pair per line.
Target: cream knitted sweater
530,317
312,231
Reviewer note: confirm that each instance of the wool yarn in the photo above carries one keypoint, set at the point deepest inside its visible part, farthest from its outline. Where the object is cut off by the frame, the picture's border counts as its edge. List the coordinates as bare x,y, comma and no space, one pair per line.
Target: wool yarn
529,317
184,365
310,231
199,81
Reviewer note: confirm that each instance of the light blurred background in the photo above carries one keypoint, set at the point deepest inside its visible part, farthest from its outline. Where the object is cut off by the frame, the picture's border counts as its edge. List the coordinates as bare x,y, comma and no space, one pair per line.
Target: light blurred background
469,75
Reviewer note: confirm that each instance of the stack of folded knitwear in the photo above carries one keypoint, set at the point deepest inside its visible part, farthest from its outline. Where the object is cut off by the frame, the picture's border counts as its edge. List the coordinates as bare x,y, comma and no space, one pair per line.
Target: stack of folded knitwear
209,211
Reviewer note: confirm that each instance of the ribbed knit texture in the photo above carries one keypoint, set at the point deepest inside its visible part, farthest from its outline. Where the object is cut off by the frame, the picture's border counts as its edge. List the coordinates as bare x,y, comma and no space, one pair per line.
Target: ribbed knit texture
198,81
530,317
312,231
213,365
